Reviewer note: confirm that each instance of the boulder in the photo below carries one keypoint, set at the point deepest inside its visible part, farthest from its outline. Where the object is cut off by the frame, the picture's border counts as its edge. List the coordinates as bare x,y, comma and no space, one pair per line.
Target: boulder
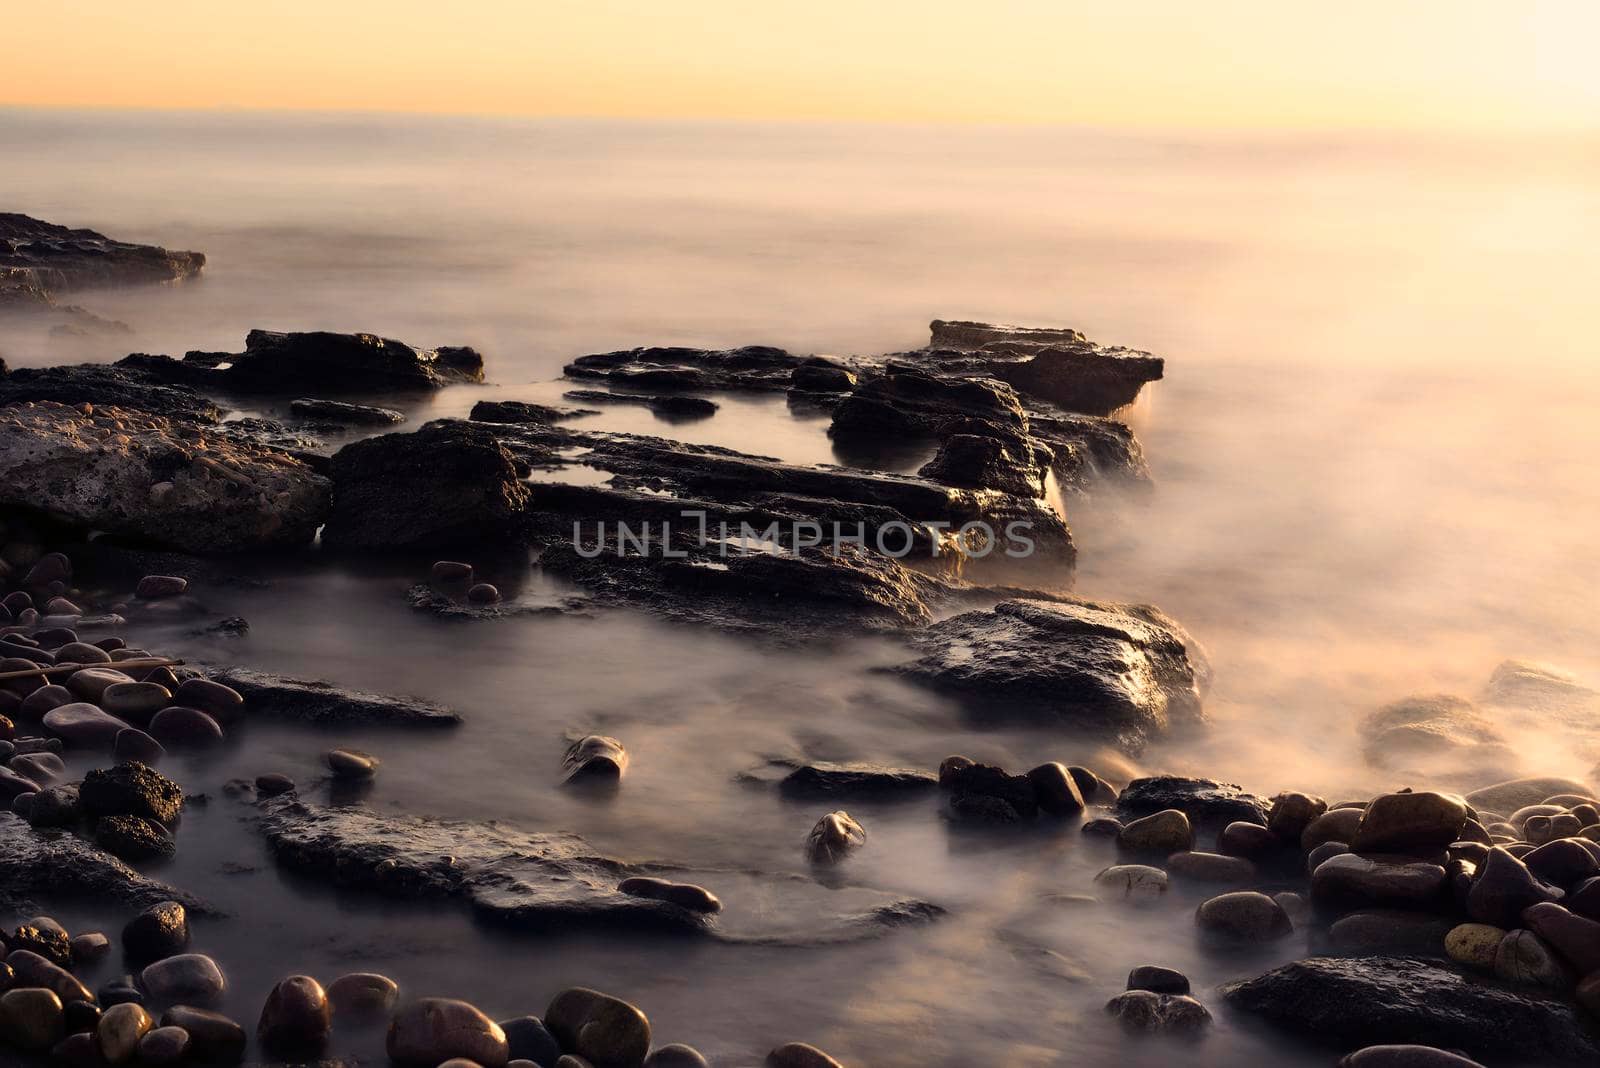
61,259
1059,366
156,478
1409,822
1204,801
131,789
449,483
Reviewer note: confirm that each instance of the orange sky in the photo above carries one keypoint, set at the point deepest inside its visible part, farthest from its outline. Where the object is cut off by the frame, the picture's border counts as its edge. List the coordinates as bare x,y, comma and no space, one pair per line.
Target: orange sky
1457,64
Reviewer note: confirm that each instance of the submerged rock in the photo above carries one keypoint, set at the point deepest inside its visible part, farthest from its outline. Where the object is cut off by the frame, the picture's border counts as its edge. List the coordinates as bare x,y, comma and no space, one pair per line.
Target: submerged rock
315,362
595,758
856,781
1123,670
319,703
1342,1002
835,836
667,407
156,478
131,789
341,412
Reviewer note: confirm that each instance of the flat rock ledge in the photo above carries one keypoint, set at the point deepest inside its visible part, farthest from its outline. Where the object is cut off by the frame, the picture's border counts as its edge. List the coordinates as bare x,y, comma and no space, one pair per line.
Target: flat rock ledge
38,869
319,703
1348,1003
533,881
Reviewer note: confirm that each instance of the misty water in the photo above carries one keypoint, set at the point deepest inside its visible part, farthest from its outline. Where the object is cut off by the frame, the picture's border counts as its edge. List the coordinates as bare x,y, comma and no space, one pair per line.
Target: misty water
1374,462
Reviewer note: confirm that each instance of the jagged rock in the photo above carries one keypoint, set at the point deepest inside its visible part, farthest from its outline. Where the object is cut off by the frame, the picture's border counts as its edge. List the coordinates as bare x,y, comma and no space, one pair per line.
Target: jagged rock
62,259
1124,670
521,412
133,839
340,412
315,362
1059,366
537,881
277,697
105,387
667,407
53,865
131,789
1204,801
1342,1002
157,478
1006,462
449,483
905,400
822,780
758,367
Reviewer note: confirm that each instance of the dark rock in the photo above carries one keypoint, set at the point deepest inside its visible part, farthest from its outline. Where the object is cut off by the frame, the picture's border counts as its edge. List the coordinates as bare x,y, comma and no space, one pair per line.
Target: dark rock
185,979
676,1055
1015,792
58,866
323,704
1158,980
837,835
1291,813
1406,1056
1056,790
1204,801
1564,862
1061,367
1389,931
667,407
120,1029
158,587
273,784
606,1031
1210,867
1095,790
323,362
49,942
331,411
89,947
163,1045
1403,822
1249,840
685,895
131,789
212,1036
1123,670
31,1019
1503,888
755,367
815,376
135,745
363,995
519,412
55,806
429,1031
530,1040
1335,825
449,483
133,839
135,702
484,593
81,1017
1243,916
351,764
83,725
179,726
594,758
105,387
1353,879
121,991
60,259
1164,832
1143,1012
1344,1002
821,780
296,1019
1575,939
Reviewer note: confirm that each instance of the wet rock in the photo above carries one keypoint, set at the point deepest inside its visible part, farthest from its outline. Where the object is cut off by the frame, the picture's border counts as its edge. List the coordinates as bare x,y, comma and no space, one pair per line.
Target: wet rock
33,970
799,1055
985,793
221,702
296,1018
131,789
55,806
449,571
1248,840
1401,822
320,362
134,839
519,412
995,459
277,697
134,745
119,1032
1523,958
1503,888
179,726
606,1031
121,991
75,652
818,376
81,1017
449,483
1389,931
45,698
675,1055
30,1018
1062,367
1585,899
834,837
684,895
1117,669
1335,825
431,1030
821,780
758,367
47,940
1158,980
1136,883
362,995
595,758
83,725
1575,939
1564,862
1346,1002
331,411
1406,1056
163,1046
484,593
1474,944
89,947
1095,790
273,784
77,1050
1210,868
58,866
1291,813
160,587
1056,790
1203,801
135,702
143,475
1143,1012
351,764
91,683
1102,827
528,1039
121,387
187,979
1352,879
1167,831
212,1036
1244,916
667,407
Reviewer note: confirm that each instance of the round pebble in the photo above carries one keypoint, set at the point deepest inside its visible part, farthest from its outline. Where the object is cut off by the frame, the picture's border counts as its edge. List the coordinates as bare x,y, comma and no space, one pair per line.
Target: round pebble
351,764
177,725
188,978
296,1018
363,994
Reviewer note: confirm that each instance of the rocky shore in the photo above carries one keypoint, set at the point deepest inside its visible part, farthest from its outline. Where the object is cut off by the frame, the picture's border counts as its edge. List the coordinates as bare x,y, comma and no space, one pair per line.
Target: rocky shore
1431,925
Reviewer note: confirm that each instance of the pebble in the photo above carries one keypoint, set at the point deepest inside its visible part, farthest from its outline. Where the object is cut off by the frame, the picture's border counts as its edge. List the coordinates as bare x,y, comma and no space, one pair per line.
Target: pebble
177,725
604,1030
222,703
1291,813
162,930
1335,825
156,587
1142,1012
1249,840
1158,980
1503,888
76,652
351,764
51,567
44,938
80,1017
1095,790
32,970
90,947
163,1045
45,698
1574,938
1102,827
296,1018
428,1031
212,1036
684,895
1564,862
484,593
834,837
135,744
799,1055
60,606
1390,931
1408,822
1352,879
135,702
1523,958
188,979
84,725
90,684
528,1039
41,769
119,992
1244,915
1167,831
1056,790
595,758
1210,868
1406,1057
676,1055
273,783
450,571
1474,944
1137,883
31,1018
120,1029
79,1050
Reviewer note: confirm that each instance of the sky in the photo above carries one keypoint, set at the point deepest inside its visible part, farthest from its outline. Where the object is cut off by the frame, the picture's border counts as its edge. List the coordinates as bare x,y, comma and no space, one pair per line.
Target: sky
1426,64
